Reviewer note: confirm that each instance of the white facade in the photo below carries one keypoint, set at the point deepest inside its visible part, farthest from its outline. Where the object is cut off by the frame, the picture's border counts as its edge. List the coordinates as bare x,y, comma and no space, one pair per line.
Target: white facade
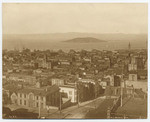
87,81
111,79
31,100
132,67
103,84
132,77
142,84
57,81
70,91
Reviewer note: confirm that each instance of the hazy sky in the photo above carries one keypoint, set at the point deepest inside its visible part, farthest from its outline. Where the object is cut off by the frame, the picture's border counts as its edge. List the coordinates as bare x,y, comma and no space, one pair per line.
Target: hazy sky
28,18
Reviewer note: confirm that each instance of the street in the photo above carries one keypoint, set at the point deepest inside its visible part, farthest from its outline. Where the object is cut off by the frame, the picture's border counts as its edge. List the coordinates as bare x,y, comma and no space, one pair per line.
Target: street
74,112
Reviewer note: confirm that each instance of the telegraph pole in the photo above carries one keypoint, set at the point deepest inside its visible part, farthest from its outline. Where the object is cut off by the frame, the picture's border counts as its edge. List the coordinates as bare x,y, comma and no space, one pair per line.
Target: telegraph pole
121,97
77,93
108,113
121,88
39,106
95,100
60,104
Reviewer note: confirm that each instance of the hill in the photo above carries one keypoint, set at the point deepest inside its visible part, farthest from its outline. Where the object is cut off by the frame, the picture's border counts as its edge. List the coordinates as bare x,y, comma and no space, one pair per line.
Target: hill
38,41
85,40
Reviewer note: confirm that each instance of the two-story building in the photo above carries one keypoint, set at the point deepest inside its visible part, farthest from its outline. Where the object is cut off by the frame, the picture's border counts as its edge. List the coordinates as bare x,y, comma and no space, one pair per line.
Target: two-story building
43,97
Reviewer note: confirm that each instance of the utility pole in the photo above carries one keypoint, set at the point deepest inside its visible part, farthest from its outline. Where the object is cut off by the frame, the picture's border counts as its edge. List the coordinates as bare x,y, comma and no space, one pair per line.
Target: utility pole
121,97
108,113
122,81
121,88
95,100
77,93
39,106
60,104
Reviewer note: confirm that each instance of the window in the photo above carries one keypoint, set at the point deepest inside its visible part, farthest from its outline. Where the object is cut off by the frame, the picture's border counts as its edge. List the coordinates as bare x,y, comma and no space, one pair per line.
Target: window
20,95
25,96
20,102
70,92
133,77
41,98
75,92
25,102
37,104
37,97
41,105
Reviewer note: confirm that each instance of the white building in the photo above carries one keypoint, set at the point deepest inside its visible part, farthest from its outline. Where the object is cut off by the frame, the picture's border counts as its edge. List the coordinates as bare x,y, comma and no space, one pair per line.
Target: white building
132,77
58,81
132,67
140,84
87,81
71,92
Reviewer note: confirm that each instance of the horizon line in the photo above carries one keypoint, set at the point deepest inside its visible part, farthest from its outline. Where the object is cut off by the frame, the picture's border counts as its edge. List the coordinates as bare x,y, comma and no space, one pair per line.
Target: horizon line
68,33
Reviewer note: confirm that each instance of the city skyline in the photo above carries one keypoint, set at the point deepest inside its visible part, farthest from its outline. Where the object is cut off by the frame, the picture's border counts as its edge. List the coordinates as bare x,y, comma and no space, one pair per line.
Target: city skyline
75,61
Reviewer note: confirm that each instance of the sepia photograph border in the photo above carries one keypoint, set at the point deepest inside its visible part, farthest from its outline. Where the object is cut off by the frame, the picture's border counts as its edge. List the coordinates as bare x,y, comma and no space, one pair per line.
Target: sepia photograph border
75,1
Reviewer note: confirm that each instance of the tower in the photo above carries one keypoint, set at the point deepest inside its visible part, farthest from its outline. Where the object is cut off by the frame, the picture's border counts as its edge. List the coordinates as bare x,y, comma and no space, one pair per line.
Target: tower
129,46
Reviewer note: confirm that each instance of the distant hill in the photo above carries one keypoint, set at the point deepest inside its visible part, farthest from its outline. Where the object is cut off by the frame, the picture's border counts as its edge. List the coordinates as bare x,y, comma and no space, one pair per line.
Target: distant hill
44,40
66,36
85,40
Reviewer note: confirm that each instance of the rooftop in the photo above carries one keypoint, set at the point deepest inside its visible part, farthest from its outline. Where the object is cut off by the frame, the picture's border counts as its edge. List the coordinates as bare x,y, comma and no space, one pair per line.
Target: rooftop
37,91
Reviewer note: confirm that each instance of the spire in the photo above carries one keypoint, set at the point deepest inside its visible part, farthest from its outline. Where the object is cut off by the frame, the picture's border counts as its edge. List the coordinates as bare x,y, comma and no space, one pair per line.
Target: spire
129,46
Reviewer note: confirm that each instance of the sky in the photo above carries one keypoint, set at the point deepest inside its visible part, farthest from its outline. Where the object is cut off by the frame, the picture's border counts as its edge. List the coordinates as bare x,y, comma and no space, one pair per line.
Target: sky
39,18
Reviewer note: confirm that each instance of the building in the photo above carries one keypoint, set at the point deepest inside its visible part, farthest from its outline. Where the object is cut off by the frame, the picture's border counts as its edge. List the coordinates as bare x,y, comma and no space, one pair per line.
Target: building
117,81
132,77
91,86
69,92
134,83
57,81
136,63
140,63
87,81
43,62
31,79
132,67
110,80
34,97
139,84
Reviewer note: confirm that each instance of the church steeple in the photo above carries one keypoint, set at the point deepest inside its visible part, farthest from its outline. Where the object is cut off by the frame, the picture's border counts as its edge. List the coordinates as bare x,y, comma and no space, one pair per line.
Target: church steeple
129,46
